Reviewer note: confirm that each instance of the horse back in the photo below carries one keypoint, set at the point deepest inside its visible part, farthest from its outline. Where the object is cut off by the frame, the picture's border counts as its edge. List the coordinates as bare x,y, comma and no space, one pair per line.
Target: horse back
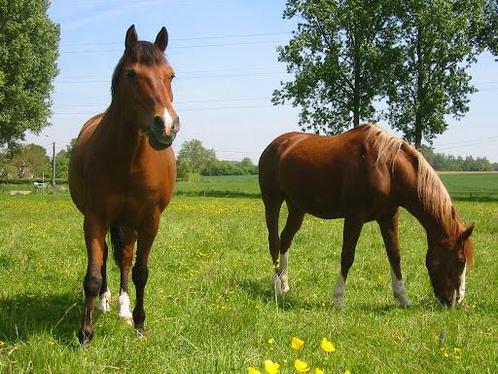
327,176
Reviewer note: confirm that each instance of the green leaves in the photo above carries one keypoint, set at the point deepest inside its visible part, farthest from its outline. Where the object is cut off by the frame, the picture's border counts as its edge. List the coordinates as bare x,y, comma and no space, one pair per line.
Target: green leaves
347,55
28,53
338,55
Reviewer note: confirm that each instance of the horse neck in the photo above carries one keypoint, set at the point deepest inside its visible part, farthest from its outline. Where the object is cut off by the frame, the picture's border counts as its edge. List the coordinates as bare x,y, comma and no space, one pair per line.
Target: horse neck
126,141
439,229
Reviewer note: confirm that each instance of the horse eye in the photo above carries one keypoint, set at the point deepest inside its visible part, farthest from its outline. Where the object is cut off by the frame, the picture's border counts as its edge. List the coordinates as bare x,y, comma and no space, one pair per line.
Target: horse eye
131,74
173,76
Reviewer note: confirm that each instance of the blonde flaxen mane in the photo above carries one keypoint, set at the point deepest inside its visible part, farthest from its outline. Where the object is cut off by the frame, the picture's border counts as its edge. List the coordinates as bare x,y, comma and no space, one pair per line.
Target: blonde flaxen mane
431,191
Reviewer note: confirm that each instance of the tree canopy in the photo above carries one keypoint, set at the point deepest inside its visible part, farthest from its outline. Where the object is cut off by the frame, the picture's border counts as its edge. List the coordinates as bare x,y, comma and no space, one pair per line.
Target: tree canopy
28,52
339,55
349,55
432,80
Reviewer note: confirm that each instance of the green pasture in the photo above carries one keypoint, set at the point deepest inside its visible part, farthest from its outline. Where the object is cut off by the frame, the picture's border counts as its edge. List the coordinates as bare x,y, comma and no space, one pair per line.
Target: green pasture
209,301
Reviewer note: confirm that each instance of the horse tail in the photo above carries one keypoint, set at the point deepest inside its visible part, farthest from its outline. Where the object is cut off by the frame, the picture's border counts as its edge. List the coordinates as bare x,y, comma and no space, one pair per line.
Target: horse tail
117,240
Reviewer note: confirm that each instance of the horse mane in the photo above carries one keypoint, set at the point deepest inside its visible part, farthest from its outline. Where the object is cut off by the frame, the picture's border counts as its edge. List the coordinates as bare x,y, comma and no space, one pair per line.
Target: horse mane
431,191
143,52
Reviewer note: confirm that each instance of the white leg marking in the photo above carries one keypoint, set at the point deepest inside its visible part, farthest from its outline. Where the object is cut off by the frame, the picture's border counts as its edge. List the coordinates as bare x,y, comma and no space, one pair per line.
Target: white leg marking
461,289
400,291
105,301
284,276
124,307
339,291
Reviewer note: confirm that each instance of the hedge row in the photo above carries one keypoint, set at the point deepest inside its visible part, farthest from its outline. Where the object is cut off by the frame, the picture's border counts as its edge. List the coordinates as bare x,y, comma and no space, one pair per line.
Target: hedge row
31,180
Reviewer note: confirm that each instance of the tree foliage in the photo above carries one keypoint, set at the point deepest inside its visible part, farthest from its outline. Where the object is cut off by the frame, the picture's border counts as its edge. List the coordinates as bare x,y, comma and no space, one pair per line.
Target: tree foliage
414,55
340,55
438,45
195,160
30,160
28,53
193,157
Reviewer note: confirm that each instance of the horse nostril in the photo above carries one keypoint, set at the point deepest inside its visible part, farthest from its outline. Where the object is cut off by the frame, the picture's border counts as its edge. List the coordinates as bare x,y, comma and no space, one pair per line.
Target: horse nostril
158,123
176,124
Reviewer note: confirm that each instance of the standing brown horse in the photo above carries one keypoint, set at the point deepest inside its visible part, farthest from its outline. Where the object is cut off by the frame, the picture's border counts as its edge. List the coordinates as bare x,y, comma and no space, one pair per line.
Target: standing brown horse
122,174
363,175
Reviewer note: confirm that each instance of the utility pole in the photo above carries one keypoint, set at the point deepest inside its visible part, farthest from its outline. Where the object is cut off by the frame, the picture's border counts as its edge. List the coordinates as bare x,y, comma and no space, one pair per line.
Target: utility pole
53,164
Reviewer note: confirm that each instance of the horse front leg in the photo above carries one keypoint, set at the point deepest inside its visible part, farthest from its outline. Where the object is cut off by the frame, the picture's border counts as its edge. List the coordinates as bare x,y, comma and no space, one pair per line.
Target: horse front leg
125,260
350,235
140,271
389,230
94,238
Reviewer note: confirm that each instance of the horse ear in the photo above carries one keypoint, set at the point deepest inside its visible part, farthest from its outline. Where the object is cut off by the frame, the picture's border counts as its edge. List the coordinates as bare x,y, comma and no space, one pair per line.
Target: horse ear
467,232
162,39
131,38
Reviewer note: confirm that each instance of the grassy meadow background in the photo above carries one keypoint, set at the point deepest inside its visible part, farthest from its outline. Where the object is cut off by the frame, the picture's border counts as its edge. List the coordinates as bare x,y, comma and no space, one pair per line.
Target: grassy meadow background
209,300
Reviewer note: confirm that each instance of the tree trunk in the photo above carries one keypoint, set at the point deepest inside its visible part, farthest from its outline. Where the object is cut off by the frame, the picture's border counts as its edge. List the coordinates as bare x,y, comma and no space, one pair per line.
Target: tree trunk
356,83
420,97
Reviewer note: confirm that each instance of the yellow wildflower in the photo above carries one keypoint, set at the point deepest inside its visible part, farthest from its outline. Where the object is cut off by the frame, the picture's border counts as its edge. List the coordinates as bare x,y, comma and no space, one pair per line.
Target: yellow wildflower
271,367
252,370
271,341
297,343
301,366
347,371
327,345
319,371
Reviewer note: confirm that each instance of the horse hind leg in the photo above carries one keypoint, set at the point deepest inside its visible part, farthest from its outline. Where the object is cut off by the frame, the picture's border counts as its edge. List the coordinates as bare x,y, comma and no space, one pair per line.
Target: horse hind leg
105,293
273,203
389,231
140,271
94,238
123,243
292,225
350,235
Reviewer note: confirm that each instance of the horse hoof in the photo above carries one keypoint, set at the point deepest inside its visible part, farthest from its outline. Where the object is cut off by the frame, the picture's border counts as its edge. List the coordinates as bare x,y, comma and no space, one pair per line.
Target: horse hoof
85,335
277,285
105,302
140,332
405,304
339,303
127,318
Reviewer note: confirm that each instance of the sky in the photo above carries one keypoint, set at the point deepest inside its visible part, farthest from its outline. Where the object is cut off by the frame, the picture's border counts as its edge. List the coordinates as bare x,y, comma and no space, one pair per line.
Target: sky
225,59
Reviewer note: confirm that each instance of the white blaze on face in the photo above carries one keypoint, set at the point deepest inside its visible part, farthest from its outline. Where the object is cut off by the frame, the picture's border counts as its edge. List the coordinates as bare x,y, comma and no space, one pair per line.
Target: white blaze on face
461,289
124,306
168,121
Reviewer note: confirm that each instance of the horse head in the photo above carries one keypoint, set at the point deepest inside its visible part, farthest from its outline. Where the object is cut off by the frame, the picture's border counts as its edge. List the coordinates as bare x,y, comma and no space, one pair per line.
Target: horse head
141,87
447,262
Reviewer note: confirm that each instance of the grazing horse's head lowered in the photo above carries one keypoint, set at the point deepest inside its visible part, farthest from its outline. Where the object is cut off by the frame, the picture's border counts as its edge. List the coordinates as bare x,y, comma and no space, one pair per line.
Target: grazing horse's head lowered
447,266
363,175
142,84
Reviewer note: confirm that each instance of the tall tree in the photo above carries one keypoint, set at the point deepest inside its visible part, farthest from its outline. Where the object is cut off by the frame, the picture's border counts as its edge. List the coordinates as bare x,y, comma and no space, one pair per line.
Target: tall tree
193,157
30,160
28,51
431,80
340,55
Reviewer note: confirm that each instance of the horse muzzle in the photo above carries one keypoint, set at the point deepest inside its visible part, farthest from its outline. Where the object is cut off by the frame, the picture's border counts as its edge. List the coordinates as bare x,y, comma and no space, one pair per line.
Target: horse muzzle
163,131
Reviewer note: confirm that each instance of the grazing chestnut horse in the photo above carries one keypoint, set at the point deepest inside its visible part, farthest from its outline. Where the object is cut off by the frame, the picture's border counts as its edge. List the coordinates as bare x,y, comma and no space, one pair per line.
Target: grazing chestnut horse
122,174
363,175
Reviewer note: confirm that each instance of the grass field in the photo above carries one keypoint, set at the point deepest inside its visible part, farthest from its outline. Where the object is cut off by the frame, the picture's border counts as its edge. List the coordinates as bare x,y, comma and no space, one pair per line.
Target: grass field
209,301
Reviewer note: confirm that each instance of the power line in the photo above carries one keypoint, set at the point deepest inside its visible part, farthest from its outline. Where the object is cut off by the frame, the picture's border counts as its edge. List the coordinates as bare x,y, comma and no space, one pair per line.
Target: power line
173,40
192,109
182,47
176,102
